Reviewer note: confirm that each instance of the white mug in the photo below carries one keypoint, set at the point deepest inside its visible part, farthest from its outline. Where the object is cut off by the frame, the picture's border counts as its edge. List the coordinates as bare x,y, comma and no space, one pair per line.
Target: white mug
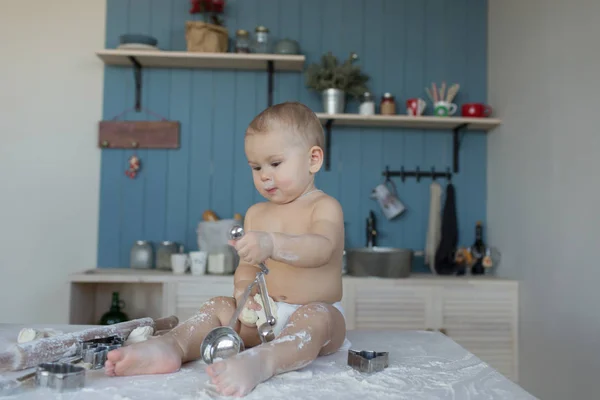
388,201
444,109
180,262
198,262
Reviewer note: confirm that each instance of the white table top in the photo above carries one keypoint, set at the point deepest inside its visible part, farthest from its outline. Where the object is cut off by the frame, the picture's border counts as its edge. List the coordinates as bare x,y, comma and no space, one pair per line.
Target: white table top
422,365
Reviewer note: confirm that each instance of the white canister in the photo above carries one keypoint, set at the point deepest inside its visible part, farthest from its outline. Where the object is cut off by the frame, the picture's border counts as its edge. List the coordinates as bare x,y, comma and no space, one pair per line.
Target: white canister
367,106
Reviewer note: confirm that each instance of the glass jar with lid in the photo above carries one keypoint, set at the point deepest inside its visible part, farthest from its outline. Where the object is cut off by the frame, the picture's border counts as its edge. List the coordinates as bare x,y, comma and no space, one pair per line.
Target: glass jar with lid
242,41
261,42
142,255
388,104
163,254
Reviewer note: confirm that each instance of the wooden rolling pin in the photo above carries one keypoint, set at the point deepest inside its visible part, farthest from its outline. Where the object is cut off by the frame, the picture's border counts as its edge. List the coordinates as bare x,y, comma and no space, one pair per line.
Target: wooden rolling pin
27,355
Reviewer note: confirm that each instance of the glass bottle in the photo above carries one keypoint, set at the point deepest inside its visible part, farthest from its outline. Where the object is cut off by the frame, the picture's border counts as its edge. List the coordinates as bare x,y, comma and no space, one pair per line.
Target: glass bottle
478,250
388,104
242,41
114,315
261,44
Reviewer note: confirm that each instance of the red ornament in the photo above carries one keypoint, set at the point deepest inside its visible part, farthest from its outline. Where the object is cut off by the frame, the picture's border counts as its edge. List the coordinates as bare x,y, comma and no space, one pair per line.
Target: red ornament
134,166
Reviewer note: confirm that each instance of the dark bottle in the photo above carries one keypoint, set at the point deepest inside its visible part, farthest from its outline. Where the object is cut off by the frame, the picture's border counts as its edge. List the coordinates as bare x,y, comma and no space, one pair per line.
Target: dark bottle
114,315
478,251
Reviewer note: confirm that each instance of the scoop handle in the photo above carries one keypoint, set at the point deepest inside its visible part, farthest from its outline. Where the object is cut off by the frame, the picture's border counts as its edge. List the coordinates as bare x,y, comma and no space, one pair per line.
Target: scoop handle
241,303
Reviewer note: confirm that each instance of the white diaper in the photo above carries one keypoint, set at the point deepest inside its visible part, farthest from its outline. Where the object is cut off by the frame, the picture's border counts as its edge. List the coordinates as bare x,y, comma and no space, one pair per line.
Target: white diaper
285,311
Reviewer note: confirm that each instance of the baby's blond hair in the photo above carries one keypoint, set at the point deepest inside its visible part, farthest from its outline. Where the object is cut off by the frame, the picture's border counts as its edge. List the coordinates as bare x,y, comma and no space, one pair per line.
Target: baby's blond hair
293,117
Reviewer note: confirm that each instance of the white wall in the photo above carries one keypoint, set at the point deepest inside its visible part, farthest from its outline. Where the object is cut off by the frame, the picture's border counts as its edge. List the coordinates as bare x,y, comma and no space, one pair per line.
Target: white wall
50,104
544,185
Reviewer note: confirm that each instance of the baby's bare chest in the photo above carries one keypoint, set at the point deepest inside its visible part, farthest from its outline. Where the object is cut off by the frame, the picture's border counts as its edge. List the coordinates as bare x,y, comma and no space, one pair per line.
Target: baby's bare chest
291,220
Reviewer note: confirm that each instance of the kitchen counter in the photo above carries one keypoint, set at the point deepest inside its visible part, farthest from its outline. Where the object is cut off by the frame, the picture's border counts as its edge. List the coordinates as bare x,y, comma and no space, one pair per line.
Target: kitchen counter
124,275
422,365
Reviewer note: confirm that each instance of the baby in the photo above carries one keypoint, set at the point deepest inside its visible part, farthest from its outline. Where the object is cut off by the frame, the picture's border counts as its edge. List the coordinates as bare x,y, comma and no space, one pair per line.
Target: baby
299,234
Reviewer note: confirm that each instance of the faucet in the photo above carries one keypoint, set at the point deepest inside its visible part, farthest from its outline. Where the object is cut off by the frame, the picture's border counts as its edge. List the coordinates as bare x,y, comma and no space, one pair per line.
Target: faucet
371,230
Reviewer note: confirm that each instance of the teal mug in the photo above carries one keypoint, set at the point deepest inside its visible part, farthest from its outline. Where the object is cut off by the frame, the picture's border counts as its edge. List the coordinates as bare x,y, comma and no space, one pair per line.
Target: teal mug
444,109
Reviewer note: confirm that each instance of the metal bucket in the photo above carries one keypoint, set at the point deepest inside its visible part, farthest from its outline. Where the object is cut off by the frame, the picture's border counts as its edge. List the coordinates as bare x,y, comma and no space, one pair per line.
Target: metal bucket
334,101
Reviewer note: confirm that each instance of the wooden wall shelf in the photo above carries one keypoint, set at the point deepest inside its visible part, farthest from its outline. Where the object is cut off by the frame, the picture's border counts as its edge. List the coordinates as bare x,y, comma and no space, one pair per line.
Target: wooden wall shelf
184,59
405,121
455,124
139,59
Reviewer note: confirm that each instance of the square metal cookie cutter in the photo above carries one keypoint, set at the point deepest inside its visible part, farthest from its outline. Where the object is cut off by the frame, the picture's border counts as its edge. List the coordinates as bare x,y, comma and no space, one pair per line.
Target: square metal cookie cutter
368,361
60,377
94,351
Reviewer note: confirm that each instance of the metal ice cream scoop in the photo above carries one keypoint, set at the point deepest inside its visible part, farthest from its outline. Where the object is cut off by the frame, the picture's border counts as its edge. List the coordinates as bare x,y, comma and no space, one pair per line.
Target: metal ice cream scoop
224,342
265,330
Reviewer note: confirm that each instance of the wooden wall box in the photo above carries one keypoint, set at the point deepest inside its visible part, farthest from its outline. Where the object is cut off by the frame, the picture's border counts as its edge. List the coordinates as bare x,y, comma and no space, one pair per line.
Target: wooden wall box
138,134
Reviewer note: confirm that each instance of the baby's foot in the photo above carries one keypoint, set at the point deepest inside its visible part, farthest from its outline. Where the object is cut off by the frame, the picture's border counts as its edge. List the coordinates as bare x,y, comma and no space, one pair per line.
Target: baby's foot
157,356
239,375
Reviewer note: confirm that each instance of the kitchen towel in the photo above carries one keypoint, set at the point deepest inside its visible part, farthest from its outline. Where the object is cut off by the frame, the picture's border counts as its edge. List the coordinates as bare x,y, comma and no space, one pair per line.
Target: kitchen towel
434,227
444,256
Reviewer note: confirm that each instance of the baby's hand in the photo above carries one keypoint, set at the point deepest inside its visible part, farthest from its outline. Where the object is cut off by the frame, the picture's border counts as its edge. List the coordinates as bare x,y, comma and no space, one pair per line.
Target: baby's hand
249,319
254,247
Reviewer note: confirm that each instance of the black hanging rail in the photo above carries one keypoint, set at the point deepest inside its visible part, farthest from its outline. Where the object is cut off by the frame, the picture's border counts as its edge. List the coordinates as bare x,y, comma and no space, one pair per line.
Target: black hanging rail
417,173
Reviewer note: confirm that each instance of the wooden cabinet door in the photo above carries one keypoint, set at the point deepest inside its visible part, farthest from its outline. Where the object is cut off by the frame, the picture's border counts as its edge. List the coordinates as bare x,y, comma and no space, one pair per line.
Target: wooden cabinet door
391,305
483,319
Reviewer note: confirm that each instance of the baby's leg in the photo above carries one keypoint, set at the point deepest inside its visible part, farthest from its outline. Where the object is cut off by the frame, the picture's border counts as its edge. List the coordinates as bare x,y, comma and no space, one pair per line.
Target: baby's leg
164,354
313,330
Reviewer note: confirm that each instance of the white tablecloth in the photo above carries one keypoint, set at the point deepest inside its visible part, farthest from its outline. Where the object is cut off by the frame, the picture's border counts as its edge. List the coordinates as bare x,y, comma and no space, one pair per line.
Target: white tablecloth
422,365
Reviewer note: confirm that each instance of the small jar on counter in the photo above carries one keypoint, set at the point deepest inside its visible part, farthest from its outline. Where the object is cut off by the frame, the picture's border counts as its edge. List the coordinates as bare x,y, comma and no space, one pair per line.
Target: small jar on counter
242,41
261,43
142,255
163,254
221,261
367,105
388,104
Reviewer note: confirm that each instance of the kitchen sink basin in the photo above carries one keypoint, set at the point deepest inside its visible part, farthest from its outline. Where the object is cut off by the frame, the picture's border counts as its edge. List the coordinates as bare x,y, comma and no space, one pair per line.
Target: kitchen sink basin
384,262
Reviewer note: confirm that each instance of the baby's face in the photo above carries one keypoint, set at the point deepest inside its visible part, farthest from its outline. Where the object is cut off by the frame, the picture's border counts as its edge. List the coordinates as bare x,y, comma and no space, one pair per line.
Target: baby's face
280,165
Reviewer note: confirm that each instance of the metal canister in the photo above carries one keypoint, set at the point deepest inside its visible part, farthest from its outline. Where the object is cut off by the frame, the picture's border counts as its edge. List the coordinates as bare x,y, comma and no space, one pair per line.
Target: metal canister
141,255
163,254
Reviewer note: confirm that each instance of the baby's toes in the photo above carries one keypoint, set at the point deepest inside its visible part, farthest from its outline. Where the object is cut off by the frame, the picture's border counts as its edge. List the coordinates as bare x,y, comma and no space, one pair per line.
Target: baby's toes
227,390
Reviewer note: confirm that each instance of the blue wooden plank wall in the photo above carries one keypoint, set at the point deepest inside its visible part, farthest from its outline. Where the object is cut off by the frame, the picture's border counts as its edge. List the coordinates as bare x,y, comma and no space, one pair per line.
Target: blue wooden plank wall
404,46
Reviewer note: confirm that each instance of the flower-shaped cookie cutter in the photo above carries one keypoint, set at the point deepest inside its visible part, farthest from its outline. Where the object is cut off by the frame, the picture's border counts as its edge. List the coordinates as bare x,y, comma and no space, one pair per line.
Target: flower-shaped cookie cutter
94,351
368,361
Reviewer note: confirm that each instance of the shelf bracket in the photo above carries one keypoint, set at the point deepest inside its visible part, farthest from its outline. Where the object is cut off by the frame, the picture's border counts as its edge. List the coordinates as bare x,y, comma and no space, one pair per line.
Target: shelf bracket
328,125
270,70
137,75
456,146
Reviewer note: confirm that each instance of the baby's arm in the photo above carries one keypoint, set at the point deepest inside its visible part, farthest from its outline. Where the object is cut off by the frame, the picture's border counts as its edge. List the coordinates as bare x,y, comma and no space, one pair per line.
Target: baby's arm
315,248
245,273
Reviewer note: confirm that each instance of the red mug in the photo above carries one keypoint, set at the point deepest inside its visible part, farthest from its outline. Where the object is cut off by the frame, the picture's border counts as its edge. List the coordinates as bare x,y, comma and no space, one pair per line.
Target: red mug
476,110
415,107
